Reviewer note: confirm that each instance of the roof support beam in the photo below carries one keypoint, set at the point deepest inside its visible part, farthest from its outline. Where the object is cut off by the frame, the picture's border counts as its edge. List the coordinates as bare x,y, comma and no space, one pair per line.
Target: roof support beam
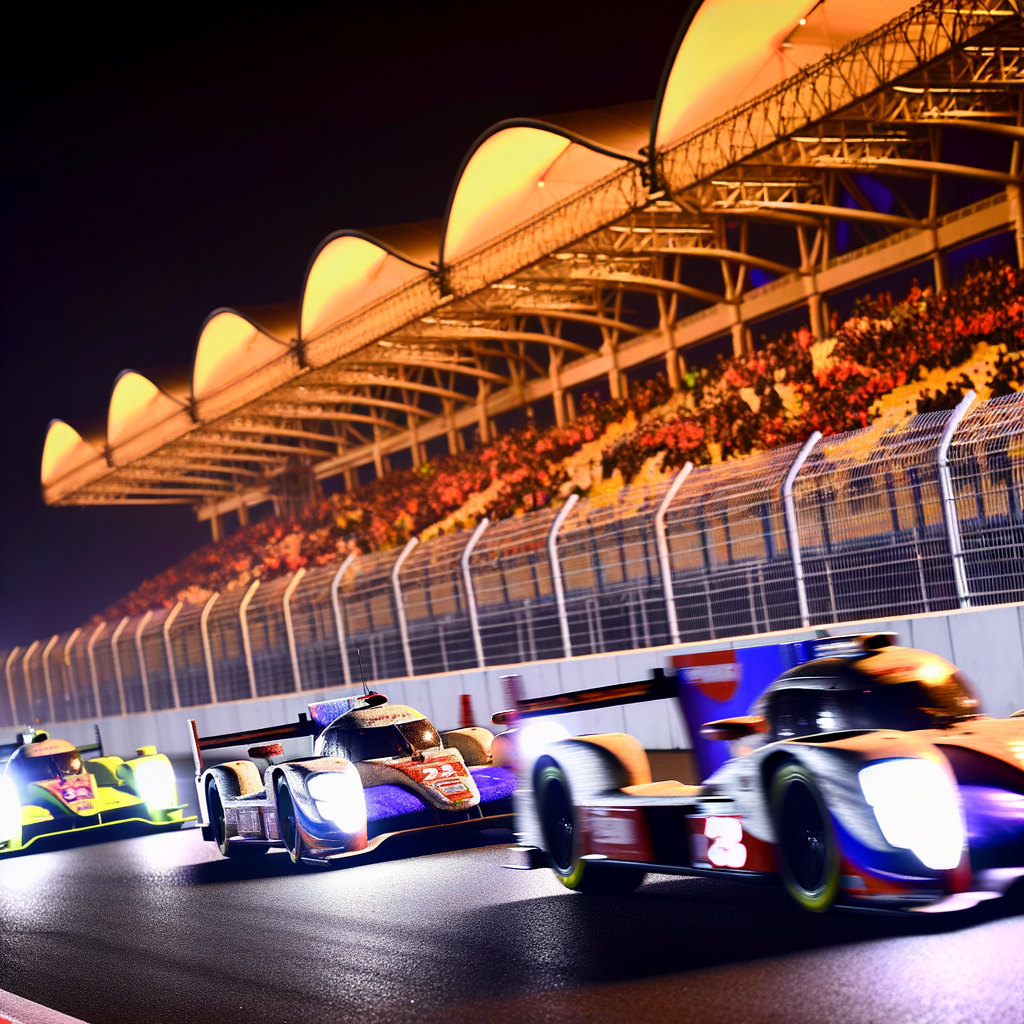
639,283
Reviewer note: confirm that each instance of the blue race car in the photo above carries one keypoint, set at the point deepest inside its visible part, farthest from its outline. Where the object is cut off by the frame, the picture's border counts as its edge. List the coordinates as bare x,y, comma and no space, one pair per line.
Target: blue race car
376,770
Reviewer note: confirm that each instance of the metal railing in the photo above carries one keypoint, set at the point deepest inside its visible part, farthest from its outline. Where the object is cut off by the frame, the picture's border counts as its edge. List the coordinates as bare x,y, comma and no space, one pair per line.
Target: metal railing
922,516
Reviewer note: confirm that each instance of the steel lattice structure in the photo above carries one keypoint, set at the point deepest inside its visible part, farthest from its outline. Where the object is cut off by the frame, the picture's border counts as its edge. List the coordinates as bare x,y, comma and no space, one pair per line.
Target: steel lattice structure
542,303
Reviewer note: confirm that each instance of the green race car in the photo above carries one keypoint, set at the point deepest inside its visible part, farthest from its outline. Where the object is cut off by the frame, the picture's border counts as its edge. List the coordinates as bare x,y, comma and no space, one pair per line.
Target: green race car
50,791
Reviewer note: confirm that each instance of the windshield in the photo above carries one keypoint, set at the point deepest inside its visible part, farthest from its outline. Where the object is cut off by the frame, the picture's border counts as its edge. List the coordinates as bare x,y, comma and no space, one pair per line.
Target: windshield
798,711
386,740
41,769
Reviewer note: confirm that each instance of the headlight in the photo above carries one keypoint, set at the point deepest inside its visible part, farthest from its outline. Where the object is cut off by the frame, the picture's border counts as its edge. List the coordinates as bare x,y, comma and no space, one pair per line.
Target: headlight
339,798
10,809
155,782
537,735
916,808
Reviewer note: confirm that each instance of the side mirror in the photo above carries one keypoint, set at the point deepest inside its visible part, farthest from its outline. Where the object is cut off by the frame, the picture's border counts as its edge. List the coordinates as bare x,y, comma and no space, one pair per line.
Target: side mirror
734,728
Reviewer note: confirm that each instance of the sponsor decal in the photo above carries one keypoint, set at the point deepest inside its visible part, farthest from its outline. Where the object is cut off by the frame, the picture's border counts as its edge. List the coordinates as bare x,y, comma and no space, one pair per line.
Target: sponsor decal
75,793
619,833
716,674
445,774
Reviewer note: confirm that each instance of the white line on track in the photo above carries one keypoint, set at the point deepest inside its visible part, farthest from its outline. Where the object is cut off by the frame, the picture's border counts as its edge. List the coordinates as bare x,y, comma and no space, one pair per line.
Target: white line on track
15,1010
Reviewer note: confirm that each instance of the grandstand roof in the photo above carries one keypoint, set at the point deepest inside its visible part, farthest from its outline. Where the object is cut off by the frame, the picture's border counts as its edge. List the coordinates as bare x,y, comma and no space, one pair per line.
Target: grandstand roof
415,331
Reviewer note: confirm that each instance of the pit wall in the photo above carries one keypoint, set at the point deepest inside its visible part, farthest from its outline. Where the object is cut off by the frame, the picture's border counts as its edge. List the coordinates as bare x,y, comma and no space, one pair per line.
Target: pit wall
986,643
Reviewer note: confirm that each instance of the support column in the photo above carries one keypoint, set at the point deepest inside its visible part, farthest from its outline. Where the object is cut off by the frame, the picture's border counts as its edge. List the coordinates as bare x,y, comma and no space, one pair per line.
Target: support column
467,582
243,514
403,627
289,628
939,271
350,478
663,554
952,521
792,530
339,617
378,455
556,571
216,528
483,423
454,441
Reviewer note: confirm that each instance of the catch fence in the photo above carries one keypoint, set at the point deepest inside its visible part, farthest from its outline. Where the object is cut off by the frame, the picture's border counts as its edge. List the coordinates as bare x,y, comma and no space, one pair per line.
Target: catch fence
924,515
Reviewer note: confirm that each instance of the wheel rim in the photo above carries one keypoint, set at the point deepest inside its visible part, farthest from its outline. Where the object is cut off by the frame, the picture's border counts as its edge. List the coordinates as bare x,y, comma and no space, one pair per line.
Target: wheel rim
558,827
217,819
804,838
288,825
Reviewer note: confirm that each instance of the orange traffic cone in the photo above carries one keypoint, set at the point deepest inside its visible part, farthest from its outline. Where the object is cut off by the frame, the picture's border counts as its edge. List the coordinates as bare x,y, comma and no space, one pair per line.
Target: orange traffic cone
466,717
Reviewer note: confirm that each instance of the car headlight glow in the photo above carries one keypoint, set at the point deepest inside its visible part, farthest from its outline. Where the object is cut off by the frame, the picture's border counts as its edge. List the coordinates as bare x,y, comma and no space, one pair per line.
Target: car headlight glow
10,809
916,808
537,735
339,799
155,782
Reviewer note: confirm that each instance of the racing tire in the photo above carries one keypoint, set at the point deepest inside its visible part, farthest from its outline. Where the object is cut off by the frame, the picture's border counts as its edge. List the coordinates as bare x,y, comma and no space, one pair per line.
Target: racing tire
215,809
558,823
288,822
807,848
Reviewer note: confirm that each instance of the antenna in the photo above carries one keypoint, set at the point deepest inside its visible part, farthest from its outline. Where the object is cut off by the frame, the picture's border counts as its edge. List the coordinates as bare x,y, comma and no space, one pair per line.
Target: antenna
362,676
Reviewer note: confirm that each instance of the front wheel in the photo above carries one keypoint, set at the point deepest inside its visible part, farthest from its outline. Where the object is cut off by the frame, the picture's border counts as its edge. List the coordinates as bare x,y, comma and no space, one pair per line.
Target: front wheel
807,846
218,822
288,823
562,841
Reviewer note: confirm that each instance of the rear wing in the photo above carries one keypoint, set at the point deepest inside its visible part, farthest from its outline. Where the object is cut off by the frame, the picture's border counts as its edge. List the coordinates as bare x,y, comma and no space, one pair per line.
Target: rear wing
659,687
320,715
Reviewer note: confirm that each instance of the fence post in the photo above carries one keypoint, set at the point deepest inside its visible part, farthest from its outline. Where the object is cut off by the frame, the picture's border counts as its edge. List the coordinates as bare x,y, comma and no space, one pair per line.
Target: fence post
10,684
792,532
71,668
204,632
140,650
29,651
51,643
956,546
90,649
118,675
243,621
339,620
286,606
403,628
663,557
467,582
556,571
169,650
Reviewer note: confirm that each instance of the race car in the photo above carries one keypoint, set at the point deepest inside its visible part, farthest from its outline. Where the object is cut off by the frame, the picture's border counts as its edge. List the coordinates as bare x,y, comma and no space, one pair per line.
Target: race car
865,775
51,794
376,770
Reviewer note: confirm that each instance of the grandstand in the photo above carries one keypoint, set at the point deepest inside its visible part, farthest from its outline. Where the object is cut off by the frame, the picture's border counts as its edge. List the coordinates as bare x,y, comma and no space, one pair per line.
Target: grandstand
795,150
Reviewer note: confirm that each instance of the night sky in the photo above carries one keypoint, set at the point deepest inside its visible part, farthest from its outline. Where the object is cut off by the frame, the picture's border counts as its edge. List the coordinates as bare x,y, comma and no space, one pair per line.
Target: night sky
159,161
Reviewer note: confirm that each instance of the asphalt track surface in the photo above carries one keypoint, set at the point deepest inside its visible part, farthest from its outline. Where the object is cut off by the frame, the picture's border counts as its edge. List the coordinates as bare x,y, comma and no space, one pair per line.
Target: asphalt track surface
161,929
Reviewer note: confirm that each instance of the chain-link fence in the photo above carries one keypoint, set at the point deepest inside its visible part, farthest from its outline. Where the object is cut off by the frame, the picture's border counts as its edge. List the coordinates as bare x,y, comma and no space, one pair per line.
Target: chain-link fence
925,515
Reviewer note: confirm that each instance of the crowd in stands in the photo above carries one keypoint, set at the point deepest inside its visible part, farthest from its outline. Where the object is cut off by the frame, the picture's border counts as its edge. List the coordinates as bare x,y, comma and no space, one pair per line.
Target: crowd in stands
890,358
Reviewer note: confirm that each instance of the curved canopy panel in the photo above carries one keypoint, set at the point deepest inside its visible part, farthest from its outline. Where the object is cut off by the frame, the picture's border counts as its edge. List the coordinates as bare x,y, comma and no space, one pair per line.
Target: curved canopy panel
625,127
517,172
231,347
66,450
351,270
734,50
419,242
137,405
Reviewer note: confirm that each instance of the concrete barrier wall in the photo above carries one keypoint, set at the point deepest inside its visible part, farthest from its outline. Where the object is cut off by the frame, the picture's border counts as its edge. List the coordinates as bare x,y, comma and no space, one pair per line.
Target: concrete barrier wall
987,644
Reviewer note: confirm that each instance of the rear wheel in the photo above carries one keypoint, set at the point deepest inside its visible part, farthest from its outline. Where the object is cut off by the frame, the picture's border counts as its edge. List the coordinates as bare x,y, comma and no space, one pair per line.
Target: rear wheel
288,823
562,841
218,822
807,846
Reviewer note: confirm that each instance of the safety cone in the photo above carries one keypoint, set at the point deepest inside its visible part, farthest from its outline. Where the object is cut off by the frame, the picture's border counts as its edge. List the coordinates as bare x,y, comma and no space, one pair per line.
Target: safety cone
466,718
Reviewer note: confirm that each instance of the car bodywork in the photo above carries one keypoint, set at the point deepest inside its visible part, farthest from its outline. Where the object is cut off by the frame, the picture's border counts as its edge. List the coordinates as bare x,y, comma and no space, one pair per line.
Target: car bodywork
865,775
376,770
52,793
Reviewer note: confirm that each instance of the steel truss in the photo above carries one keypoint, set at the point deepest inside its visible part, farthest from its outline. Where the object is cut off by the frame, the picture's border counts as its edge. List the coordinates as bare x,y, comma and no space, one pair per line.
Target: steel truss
548,307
